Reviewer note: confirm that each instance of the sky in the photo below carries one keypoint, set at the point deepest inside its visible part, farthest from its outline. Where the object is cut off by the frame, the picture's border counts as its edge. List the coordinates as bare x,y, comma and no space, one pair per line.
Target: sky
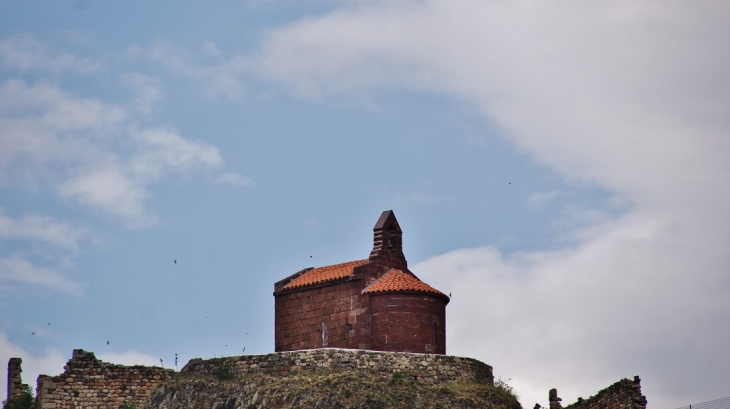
562,168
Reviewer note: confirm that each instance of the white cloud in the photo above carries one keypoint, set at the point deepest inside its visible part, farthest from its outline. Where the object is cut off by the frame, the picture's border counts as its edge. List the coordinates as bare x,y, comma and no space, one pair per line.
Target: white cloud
16,269
539,199
43,228
51,136
49,364
26,52
147,89
163,149
42,124
211,49
638,299
234,179
110,190
218,78
93,152
634,99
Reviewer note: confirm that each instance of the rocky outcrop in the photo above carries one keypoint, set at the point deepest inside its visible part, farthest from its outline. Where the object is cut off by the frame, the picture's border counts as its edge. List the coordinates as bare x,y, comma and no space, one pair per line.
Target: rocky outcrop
342,389
333,378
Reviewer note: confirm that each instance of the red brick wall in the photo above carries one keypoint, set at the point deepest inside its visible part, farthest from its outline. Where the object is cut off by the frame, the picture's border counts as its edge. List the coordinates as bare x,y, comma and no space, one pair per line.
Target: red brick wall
408,323
300,313
380,322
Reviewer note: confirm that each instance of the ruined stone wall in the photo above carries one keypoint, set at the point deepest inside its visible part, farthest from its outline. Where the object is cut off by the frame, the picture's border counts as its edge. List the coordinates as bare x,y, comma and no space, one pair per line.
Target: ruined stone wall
427,368
89,383
624,394
15,383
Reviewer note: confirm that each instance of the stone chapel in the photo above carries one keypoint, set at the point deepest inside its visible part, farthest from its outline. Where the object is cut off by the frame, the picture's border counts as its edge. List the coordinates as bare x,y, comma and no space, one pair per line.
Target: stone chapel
375,303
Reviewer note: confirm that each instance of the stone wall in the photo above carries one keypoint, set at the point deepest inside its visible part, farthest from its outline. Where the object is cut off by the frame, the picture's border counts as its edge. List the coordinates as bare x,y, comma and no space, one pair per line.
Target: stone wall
428,368
15,383
89,383
624,394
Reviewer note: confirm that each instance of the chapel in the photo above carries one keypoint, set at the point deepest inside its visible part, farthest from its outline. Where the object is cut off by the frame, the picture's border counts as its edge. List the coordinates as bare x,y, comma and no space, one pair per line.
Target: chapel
375,303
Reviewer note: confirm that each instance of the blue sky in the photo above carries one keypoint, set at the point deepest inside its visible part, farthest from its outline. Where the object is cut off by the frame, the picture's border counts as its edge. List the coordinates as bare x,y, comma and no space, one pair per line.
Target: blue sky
561,168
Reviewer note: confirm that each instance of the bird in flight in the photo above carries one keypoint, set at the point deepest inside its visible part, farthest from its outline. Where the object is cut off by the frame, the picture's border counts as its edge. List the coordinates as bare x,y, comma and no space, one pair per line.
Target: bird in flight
32,333
49,324
175,261
107,342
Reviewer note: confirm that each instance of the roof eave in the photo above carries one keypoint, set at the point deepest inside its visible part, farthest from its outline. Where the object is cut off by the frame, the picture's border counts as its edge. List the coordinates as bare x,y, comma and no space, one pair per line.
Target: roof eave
316,285
440,295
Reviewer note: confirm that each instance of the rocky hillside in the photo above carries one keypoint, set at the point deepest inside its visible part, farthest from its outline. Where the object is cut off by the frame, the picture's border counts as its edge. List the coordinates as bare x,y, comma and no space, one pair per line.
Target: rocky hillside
342,389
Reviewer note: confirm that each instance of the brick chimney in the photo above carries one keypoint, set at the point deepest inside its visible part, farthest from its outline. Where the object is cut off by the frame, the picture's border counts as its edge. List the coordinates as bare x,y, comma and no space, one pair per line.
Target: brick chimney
388,243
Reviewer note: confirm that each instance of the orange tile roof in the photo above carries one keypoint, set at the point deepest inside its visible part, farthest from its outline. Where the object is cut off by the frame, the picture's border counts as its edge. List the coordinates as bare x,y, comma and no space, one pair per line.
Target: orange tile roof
323,274
397,280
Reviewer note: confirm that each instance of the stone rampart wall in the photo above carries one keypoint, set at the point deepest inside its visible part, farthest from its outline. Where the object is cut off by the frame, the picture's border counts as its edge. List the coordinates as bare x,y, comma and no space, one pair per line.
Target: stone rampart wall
429,368
89,383
624,394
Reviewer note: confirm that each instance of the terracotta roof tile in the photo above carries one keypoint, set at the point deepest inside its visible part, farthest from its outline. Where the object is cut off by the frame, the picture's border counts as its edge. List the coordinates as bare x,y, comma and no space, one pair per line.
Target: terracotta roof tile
323,274
397,280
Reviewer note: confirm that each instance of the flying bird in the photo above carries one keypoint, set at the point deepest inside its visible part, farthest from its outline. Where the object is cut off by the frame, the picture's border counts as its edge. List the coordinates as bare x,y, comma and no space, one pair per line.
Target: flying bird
49,324
449,295
107,342
32,333
310,256
244,349
175,261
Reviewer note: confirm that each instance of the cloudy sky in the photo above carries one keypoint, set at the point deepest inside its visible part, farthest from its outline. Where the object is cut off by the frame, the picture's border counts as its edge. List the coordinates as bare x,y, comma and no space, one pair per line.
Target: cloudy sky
562,168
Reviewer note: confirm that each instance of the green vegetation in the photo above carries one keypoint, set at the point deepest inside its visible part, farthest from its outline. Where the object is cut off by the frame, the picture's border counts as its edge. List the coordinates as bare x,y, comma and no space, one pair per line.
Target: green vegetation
223,373
128,404
503,388
22,401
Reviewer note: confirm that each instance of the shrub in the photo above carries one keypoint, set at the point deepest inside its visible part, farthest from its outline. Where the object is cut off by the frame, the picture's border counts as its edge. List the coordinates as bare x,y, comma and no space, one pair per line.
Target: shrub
128,404
22,401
